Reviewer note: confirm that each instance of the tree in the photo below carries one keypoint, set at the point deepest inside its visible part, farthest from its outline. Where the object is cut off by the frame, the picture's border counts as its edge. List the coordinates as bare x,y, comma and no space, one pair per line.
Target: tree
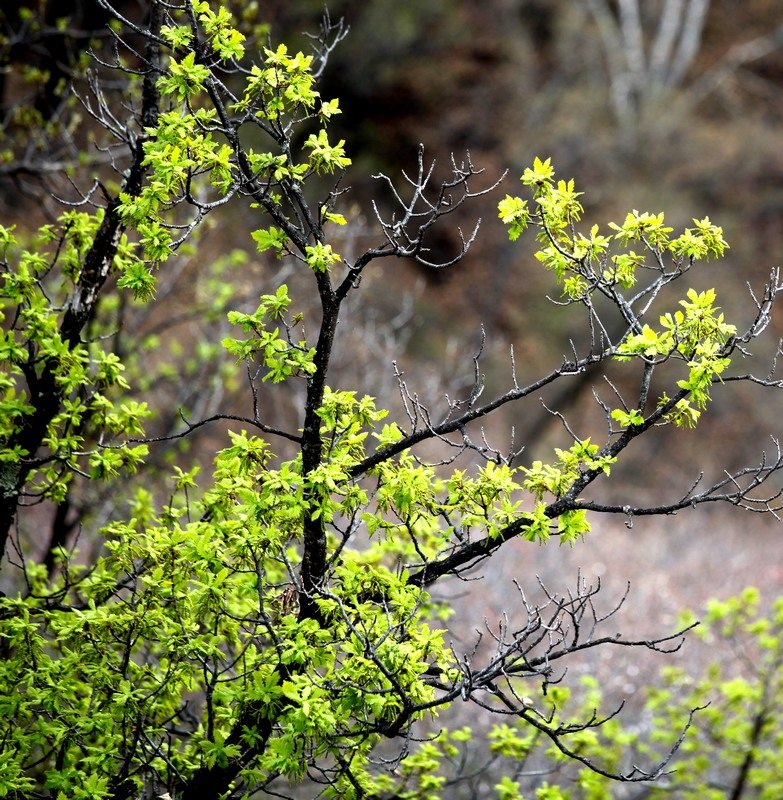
275,621
731,751
646,70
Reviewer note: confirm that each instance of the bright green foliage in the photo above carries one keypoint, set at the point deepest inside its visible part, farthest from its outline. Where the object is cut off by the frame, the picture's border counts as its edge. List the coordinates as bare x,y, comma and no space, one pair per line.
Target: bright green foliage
213,637
283,358
325,157
733,748
270,238
585,266
185,79
183,147
283,85
697,335
736,744
219,28
557,479
38,276
513,211
508,789
321,256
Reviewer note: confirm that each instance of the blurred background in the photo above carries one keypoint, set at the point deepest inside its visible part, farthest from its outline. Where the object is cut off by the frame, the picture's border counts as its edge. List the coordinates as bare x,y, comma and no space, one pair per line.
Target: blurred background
673,105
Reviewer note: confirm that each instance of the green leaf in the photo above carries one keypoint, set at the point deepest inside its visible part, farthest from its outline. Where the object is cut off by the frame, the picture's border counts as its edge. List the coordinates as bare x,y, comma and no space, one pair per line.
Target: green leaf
271,238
